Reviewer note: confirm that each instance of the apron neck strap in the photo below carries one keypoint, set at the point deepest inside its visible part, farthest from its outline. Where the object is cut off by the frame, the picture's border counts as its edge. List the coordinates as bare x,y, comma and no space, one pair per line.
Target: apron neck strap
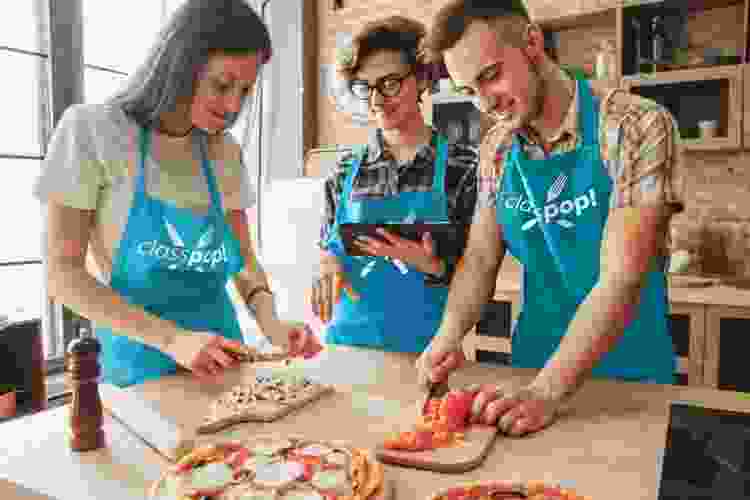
144,144
441,164
199,144
588,113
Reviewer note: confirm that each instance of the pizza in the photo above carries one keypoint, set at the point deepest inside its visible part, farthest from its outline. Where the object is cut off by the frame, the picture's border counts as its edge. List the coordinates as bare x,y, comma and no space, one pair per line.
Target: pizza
270,467
267,396
506,490
441,425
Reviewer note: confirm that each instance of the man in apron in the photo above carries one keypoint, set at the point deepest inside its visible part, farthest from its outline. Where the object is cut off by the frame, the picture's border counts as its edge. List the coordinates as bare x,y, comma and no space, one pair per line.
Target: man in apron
578,182
407,173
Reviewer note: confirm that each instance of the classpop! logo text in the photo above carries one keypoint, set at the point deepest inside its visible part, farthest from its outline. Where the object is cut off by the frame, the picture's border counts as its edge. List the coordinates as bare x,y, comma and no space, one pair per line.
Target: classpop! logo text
178,256
553,210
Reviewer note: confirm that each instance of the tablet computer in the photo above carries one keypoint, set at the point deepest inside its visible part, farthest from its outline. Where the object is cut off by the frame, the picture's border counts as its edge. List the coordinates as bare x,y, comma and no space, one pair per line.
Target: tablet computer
448,238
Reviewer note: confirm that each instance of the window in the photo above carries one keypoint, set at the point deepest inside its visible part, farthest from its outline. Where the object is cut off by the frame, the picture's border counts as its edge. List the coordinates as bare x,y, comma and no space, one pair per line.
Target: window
100,84
19,26
24,101
20,130
117,35
107,59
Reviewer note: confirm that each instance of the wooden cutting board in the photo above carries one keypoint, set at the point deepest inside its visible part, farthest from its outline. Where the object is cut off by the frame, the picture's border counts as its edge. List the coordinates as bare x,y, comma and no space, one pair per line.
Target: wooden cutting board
266,411
478,441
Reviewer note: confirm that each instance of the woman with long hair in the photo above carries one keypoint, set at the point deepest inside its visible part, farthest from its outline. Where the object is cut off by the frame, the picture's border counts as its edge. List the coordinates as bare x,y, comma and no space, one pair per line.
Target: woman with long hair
146,197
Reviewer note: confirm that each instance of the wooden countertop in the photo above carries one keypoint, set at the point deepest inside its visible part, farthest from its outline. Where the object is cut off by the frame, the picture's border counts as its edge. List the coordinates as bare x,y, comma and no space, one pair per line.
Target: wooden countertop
509,279
609,444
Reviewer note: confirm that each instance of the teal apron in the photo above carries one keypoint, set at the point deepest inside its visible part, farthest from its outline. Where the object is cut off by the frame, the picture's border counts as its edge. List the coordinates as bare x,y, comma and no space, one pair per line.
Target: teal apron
175,264
396,311
553,214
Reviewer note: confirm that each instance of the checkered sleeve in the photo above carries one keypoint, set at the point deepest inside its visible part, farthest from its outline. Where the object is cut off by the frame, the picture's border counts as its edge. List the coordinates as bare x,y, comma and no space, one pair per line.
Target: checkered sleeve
641,145
334,185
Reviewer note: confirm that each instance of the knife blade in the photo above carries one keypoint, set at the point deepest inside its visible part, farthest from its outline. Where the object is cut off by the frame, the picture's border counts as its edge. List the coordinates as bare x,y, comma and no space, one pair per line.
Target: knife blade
146,422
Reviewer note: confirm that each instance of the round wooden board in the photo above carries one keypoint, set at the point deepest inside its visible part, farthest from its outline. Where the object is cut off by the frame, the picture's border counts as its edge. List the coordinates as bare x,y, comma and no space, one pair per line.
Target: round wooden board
386,490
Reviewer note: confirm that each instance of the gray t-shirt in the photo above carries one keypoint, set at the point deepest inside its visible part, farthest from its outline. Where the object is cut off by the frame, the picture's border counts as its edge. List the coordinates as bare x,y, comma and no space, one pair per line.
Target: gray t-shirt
91,163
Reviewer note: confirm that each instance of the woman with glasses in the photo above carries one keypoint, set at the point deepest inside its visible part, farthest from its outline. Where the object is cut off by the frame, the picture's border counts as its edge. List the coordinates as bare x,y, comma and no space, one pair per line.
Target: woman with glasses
146,197
407,172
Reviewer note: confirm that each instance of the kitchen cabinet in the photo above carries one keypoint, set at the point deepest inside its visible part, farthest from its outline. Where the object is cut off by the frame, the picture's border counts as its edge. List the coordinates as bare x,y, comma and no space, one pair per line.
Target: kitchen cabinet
687,325
725,365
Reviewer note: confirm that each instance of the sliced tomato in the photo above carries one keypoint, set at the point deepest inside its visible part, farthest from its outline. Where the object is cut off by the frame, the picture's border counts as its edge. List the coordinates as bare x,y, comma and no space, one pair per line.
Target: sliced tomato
458,493
456,409
392,444
330,496
423,440
553,492
440,439
309,472
409,440
238,458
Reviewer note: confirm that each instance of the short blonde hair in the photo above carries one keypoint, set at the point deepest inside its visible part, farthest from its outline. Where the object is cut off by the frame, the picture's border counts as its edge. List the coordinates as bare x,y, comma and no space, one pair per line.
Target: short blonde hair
395,33
509,17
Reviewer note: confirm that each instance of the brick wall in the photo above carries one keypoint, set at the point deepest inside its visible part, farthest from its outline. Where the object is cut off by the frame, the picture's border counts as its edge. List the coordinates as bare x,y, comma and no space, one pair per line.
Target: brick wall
717,215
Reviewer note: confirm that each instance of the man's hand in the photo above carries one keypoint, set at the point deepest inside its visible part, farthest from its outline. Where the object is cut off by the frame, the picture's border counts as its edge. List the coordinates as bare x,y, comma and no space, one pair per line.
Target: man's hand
326,290
527,410
202,353
442,356
419,255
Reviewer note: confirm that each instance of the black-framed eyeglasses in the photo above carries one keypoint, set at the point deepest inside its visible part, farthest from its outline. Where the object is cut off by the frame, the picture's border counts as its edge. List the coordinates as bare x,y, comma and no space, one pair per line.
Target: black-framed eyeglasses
388,86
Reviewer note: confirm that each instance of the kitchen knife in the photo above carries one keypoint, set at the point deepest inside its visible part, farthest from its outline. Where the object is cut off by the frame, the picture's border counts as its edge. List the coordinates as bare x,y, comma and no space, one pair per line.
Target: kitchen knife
146,422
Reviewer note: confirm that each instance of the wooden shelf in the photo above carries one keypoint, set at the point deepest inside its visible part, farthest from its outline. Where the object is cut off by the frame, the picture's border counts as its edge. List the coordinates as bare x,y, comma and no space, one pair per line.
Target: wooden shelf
683,75
732,114
692,5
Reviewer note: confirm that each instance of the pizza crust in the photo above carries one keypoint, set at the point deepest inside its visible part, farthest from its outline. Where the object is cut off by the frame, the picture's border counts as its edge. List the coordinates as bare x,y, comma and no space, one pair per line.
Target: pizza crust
263,400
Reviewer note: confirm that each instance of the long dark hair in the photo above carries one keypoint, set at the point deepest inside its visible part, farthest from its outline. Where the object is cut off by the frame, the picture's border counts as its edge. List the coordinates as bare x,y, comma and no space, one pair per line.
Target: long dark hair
181,51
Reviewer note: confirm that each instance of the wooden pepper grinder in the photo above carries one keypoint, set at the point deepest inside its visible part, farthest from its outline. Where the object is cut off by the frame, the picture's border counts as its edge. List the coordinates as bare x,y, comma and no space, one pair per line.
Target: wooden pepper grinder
86,407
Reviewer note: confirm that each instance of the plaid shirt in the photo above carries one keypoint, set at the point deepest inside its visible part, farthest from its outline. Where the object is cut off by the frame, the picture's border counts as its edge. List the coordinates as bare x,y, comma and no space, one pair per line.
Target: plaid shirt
639,144
382,175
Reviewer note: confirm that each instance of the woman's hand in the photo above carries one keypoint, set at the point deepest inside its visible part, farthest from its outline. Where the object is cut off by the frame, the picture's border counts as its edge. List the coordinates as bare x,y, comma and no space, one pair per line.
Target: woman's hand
202,353
419,255
326,290
295,338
